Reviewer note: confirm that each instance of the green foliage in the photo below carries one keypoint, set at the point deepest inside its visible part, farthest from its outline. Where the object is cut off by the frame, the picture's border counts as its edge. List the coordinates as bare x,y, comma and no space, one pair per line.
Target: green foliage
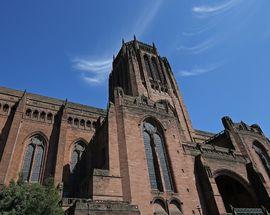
23,198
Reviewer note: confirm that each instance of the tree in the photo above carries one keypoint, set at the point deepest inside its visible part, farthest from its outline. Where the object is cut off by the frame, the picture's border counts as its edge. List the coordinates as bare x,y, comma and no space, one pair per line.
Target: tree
21,198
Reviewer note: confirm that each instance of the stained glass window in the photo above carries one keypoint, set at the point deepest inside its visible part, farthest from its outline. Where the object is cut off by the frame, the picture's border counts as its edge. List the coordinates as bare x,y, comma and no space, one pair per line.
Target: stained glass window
150,160
27,161
78,149
74,160
156,157
37,163
33,159
163,161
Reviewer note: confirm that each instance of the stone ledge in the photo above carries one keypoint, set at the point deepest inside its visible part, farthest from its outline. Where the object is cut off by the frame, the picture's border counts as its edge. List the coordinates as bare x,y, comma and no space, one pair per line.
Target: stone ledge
88,206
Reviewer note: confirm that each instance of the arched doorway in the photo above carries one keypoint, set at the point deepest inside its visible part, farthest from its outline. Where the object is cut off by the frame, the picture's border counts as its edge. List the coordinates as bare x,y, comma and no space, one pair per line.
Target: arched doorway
234,193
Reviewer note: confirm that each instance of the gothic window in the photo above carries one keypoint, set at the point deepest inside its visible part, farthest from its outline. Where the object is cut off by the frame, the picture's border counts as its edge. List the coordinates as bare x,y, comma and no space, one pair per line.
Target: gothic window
82,123
28,113
175,207
35,114
6,108
152,162
77,152
33,159
263,155
156,70
76,122
158,168
160,207
148,67
70,120
43,116
49,117
88,124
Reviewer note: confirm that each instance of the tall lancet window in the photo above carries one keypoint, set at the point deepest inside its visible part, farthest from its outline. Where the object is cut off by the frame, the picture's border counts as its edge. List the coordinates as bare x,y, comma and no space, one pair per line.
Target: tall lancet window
78,149
157,162
148,67
263,155
156,70
33,159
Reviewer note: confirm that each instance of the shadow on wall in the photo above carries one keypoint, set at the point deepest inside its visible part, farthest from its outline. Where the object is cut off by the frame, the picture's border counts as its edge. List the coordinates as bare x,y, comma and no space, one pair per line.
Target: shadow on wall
85,158
256,181
5,131
53,145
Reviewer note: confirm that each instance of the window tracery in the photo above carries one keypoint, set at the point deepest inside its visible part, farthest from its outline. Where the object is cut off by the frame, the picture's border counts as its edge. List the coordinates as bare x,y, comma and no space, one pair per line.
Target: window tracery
156,70
33,159
76,154
158,168
148,67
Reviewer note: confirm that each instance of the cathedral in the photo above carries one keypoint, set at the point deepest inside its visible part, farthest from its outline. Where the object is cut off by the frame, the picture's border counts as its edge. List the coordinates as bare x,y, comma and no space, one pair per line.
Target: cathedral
140,155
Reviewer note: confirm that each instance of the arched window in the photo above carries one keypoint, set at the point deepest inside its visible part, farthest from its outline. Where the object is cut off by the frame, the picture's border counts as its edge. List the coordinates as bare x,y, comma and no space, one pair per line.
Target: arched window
70,120
156,156
148,67
43,116
263,155
82,123
156,70
49,117
35,114
6,108
88,124
94,125
33,159
76,154
76,122
160,207
175,207
28,113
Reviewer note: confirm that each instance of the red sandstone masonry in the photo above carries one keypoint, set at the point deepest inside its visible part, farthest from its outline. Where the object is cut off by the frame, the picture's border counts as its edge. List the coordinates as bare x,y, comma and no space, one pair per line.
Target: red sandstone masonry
127,177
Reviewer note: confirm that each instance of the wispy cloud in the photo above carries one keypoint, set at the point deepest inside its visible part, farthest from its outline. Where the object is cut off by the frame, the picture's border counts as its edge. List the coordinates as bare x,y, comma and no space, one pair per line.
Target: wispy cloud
212,30
199,48
93,71
213,9
96,71
147,17
199,70
195,32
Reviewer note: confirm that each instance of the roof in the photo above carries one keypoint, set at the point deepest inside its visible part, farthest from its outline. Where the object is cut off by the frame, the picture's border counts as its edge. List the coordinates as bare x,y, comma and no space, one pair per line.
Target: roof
50,100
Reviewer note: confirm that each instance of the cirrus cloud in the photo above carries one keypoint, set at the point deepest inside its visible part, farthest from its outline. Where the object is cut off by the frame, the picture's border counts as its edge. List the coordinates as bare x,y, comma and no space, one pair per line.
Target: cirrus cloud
97,71
199,70
213,9
93,71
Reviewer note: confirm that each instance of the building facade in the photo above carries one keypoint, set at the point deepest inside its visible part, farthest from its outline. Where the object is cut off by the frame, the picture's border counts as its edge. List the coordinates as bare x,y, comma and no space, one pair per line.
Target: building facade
139,156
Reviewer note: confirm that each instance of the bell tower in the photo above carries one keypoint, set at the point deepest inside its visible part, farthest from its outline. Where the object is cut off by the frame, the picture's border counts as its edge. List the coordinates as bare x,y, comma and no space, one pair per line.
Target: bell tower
139,70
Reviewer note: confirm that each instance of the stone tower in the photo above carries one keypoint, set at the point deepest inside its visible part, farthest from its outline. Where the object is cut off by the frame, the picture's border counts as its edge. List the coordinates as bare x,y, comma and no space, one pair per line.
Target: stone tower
139,156
149,122
140,71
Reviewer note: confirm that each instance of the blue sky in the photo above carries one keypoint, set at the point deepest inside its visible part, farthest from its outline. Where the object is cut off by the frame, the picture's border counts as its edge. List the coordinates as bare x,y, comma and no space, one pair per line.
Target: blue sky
219,51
